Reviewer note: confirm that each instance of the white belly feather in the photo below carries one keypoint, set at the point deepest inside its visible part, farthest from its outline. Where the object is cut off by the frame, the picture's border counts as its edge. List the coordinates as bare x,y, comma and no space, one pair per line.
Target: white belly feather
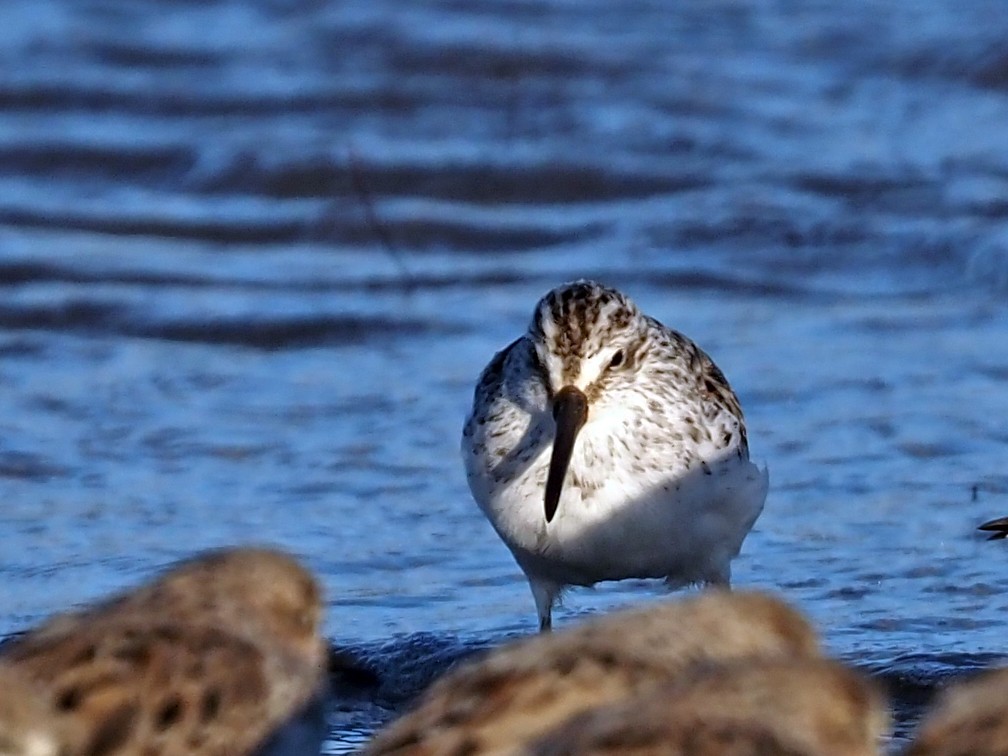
624,514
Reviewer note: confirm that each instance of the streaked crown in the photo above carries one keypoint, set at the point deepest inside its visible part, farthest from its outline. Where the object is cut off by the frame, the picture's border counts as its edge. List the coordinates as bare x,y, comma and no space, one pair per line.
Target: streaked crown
581,327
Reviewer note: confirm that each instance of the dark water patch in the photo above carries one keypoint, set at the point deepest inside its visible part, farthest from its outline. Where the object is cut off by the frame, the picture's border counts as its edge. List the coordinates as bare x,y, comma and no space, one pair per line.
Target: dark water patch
23,272
555,182
805,583
55,405
700,105
979,62
29,467
766,229
849,592
992,69
925,624
991,209
988,266
465,281
14,348
197,102
511,64
245,231
376,102
348,672
91,318
148,56
909,321
295,332
993,591
29,273
867,383
71,315
929,451
386,677
911,265
874,192
177,444
460,55
405,666
418,234
105,162
726,285
912,681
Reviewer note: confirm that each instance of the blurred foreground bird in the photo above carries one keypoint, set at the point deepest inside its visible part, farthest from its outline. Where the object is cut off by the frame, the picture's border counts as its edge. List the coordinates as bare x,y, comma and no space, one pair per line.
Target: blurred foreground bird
968,718
522,690
27,725
806,707
220,655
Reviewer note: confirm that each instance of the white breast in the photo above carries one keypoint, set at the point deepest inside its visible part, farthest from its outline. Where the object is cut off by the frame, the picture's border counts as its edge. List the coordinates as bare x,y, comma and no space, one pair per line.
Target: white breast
623,513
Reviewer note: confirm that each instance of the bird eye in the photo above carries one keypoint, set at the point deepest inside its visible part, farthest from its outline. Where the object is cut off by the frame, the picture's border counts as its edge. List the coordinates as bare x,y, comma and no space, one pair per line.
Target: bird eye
617,359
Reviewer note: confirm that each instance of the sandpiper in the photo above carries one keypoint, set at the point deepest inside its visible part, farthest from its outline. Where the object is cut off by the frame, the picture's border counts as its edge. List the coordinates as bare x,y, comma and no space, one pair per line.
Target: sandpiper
222,654
969,719
998,528
27,724
804,707
503,702
603,445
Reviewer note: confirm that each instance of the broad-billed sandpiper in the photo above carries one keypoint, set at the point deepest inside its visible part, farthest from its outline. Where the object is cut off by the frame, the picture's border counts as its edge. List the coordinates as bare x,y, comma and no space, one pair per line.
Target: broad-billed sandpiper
602,446
519,692
222,654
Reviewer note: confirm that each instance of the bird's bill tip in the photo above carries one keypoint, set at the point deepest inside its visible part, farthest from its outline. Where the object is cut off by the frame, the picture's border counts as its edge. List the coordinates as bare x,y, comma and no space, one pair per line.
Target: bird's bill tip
570,412
998,528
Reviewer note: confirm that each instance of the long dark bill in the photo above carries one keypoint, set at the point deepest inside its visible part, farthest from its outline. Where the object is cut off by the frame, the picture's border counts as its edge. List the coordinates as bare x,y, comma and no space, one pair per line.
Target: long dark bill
570,410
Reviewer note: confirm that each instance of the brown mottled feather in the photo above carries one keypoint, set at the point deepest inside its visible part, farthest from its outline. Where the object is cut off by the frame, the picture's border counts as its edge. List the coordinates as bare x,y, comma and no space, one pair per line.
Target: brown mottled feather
524,689
813,707
653,478
27,725
969,718
211,658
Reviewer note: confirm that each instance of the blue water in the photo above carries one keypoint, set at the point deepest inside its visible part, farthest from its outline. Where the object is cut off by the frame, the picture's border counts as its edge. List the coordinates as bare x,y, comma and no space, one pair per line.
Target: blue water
254,255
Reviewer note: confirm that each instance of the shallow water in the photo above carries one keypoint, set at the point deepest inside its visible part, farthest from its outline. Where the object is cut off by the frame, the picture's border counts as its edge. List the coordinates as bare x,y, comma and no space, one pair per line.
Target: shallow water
254,255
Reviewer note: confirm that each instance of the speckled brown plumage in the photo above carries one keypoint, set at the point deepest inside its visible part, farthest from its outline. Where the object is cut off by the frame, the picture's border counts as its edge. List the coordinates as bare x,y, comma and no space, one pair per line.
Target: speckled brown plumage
812,707
968,719
520,691
214,657
27,725
657,483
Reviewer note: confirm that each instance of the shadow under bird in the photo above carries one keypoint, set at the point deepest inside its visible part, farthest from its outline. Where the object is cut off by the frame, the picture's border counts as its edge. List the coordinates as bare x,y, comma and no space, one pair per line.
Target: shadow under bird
603,445
503,702
220,655
786,707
